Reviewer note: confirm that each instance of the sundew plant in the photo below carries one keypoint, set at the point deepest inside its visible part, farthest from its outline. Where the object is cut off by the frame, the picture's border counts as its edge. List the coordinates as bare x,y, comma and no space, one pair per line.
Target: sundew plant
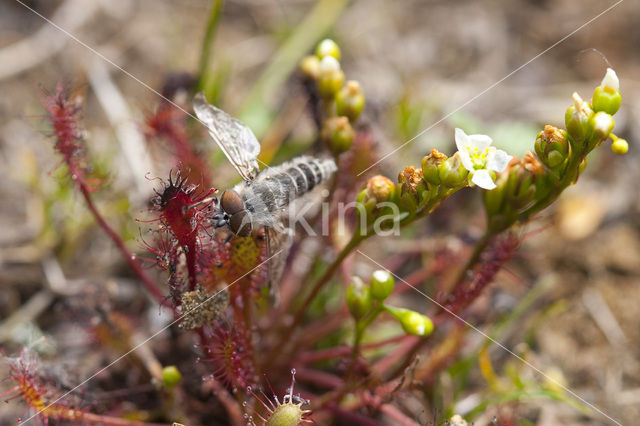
309,283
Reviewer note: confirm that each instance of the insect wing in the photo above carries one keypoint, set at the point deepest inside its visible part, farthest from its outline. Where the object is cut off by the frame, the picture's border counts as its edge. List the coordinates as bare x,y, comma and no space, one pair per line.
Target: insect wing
236,140
279,240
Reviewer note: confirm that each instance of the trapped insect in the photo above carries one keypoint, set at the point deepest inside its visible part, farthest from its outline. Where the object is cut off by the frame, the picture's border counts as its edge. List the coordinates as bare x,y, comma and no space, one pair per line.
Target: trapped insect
263,198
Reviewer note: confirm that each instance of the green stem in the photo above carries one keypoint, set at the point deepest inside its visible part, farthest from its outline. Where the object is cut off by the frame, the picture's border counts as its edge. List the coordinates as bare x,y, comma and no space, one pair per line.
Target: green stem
209,36
361,326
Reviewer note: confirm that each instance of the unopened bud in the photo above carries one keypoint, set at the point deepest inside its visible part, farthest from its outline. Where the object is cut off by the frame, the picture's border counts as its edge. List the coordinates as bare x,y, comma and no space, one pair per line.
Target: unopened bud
330,77
619,146
430,165
170,376
381,284
338,134
494,198
576,119
413,190
328,47
601,124
607,96
310,67
520,188
350,100
451,172
552,146
380,188
358,299
412,322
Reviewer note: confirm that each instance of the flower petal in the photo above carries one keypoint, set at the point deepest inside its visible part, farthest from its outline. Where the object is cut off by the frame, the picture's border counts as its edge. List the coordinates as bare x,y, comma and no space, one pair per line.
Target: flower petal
498,160
481,142
465,158
462,140
483,179
610,80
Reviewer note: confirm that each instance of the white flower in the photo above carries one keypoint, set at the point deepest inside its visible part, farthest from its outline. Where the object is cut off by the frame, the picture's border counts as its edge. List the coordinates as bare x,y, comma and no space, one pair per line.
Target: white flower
479,158
602,124
610,80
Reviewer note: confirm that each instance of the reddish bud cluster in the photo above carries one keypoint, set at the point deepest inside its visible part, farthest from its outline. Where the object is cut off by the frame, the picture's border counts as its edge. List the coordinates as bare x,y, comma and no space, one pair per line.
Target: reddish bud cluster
64,115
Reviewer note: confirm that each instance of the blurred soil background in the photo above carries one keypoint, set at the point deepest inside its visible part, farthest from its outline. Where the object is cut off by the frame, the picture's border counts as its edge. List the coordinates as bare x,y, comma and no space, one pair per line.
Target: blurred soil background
417,61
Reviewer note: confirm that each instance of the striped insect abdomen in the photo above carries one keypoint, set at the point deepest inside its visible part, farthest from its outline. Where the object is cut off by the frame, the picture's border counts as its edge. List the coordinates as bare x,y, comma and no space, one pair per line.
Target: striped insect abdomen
277,187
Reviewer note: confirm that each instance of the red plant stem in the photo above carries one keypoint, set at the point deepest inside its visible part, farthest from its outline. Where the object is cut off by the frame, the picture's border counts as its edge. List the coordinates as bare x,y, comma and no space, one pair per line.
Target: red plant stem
319,378
414,279
441,354
322,281
231,405
336,352
285,335
399,418
90,418
399,354
376,401
353,418
480,246
148,283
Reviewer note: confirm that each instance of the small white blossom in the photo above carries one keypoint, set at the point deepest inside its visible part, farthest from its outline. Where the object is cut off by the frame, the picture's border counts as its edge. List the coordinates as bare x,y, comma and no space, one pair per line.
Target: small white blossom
602,124
479,158
329,64
610,80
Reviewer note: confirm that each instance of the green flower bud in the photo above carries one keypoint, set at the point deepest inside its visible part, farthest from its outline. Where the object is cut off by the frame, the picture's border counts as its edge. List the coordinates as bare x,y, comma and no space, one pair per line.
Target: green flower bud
412,322
338,134
494,199
330,77
310,67
328,47
380,188
350,100
607,96
377,190
413,189
520,188
619,146
517,188
576,119
286,414
451,172
358,299
601,125
381,284
170,376
552,146
430,165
